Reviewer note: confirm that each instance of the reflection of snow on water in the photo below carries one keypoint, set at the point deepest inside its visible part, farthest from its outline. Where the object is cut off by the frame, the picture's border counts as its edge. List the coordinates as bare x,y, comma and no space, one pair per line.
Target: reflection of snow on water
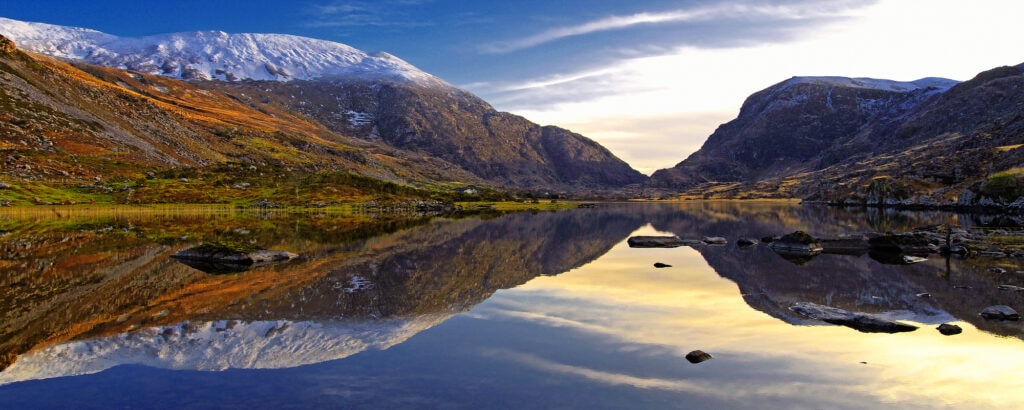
357,283
219,345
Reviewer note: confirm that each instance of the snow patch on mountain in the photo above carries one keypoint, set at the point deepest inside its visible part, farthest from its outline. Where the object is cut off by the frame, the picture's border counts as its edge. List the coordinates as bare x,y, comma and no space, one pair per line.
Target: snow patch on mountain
934,83
215,55
219,345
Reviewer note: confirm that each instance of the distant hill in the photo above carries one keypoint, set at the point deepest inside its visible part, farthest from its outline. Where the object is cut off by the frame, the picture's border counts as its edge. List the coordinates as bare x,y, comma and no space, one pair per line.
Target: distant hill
931,142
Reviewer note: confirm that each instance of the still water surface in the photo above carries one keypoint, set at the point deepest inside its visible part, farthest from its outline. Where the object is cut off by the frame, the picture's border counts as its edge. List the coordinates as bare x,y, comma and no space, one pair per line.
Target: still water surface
525,310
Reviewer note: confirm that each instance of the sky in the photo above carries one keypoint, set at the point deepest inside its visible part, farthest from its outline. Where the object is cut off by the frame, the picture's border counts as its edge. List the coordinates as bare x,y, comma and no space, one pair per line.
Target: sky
648,79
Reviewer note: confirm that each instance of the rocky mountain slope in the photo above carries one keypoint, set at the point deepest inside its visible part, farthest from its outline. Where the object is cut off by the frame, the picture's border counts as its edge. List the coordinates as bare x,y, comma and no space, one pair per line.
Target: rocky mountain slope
292,103
930,142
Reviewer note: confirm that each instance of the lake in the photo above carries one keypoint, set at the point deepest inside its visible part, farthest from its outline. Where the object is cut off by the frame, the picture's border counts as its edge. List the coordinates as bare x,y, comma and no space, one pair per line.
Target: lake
492,310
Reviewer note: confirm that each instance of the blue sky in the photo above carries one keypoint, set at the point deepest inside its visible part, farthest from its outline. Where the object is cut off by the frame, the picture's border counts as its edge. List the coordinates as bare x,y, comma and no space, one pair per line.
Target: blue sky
649,79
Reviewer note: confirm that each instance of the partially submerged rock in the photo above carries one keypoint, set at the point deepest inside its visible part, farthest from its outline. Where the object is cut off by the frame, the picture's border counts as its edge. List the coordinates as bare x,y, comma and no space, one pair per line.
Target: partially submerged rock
910,259
746,242
655,242
229,258
863,322
714,240
698,356
796,244
909,243
661,265
1000,312
949,329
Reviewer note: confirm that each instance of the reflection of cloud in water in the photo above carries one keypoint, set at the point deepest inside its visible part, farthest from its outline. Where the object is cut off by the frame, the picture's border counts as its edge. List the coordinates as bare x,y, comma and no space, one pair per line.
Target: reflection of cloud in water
820,393
607,377
622,297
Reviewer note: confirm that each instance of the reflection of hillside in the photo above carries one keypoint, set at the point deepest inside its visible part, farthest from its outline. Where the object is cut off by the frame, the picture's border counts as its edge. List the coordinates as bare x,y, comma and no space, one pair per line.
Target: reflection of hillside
107,282
771,284
446,266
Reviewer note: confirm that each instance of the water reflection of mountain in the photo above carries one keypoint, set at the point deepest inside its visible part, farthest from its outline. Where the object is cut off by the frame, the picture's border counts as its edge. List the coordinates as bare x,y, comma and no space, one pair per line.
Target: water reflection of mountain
105,284
959,290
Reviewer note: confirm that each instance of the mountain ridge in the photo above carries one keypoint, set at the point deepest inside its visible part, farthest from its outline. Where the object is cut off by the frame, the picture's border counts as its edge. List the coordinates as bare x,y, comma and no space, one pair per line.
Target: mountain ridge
370,123
214,55
929,143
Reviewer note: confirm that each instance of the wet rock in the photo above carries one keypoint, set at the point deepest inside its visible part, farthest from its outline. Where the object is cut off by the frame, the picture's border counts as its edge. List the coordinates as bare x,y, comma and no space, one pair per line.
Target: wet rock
1000,312
655,242
265,203
221,258
746,242
949,329
908,259
714,240
698,356
770,238
798,244
998,271
862,322
661,265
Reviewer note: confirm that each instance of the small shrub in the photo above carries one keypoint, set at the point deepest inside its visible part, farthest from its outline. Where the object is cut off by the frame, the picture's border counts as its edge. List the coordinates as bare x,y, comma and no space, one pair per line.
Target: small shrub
1006,185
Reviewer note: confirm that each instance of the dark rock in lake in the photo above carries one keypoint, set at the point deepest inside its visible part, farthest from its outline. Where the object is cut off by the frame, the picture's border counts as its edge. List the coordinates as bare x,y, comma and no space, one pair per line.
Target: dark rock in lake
770,238
910,243
998,271
888,257
746,242
219,258
714,240
655,242
796,245
661,265
949,329
1000,312
698,356
863,322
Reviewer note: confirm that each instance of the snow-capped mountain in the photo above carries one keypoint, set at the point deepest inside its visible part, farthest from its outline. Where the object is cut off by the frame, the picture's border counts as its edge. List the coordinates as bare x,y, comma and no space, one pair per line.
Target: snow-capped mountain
219,345
214,54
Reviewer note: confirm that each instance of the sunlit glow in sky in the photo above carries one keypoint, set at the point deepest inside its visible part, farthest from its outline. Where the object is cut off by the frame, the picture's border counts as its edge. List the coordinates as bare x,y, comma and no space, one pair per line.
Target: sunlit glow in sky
649,79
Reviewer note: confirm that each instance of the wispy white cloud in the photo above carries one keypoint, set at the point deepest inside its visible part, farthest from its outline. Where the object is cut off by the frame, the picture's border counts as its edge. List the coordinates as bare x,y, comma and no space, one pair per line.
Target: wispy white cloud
724,12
